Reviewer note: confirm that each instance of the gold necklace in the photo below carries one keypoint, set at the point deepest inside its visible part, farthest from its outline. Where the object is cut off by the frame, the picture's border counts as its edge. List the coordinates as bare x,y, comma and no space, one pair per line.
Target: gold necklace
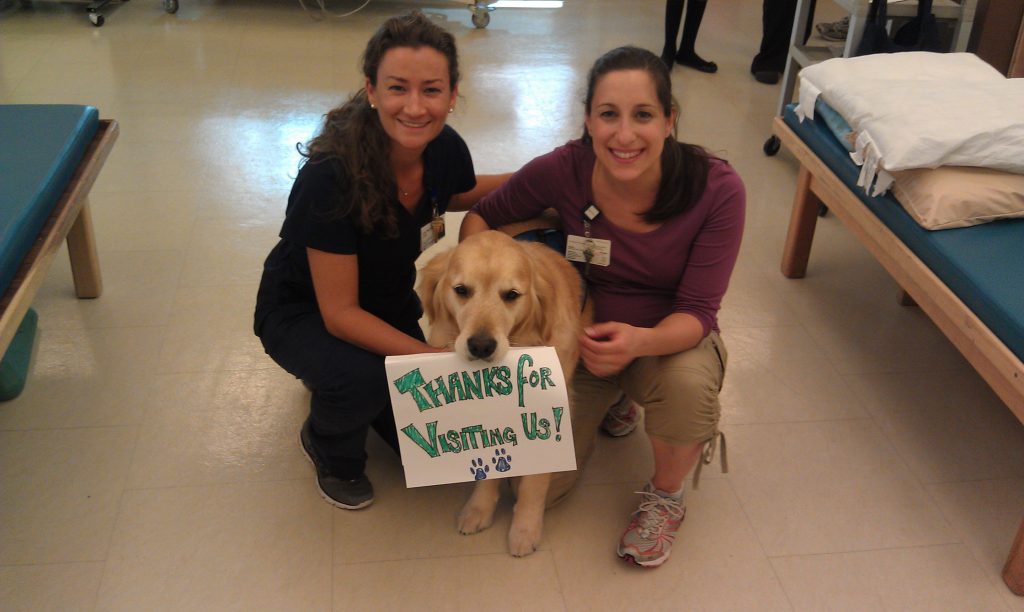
417,184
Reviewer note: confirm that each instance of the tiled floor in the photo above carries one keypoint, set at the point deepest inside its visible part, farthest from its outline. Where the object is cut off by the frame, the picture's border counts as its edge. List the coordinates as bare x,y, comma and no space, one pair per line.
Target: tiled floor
152,462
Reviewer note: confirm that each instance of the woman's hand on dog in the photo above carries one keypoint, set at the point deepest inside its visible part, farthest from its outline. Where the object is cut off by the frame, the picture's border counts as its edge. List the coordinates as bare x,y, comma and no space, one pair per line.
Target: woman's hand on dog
607,348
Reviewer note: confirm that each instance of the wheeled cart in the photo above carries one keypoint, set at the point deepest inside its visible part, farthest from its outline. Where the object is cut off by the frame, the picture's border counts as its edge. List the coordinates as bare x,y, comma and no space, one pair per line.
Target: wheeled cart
93,8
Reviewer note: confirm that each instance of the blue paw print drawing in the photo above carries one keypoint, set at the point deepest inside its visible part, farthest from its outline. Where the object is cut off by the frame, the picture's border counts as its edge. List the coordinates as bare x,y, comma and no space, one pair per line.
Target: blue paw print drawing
478,469
501,460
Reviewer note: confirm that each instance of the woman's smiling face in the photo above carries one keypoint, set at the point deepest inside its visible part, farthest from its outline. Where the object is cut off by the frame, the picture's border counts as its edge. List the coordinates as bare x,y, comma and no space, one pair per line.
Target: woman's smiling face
413,95
628,126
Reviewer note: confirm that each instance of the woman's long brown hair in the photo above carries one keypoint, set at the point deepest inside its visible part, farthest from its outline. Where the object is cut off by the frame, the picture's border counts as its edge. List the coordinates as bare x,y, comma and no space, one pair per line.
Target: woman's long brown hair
352,135
684,167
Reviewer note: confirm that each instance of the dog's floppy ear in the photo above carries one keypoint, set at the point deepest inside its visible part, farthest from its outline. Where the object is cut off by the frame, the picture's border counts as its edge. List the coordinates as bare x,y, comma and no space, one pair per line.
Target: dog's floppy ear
544,290
541,317
429,278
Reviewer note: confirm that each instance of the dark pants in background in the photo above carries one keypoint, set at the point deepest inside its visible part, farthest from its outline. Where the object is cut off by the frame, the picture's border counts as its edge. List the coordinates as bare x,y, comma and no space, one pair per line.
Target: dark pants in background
776,31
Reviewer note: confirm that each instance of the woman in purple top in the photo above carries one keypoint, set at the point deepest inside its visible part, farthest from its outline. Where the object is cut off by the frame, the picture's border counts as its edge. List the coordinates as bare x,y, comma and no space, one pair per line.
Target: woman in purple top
655,227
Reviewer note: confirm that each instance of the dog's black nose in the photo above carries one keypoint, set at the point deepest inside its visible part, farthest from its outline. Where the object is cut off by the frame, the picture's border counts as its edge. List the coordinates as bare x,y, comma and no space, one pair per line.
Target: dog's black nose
481,346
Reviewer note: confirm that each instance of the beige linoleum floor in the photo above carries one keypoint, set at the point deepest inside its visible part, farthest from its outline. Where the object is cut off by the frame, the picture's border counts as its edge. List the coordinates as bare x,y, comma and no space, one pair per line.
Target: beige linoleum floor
152,462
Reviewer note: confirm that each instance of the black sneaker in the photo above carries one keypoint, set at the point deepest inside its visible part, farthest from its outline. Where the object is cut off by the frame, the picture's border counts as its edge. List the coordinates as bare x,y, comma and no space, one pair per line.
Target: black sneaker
348,494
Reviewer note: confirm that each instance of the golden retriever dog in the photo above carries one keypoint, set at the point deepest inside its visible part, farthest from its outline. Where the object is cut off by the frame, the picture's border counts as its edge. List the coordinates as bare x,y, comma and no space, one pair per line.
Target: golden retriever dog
489,293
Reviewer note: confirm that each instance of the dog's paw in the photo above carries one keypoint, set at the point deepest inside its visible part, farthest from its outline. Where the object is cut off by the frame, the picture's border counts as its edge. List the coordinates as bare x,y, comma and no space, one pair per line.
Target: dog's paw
523,540
473,519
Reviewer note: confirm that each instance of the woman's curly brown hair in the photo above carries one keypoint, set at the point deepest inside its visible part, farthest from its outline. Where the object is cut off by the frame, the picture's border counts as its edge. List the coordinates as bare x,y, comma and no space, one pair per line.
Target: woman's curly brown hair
352,135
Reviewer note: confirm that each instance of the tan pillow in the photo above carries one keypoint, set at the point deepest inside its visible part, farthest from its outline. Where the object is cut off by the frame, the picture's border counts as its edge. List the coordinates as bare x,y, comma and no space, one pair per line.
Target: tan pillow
959,196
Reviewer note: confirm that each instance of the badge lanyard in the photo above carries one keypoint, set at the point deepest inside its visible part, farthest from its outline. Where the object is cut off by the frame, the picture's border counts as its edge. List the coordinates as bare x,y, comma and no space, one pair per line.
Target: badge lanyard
436,219
589,248
588,252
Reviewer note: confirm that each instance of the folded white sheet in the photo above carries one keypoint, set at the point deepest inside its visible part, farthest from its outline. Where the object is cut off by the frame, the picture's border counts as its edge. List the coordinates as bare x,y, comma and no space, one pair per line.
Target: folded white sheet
921,110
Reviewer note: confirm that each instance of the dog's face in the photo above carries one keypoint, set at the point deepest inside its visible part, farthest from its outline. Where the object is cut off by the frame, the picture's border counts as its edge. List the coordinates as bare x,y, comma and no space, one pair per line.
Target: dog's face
481,292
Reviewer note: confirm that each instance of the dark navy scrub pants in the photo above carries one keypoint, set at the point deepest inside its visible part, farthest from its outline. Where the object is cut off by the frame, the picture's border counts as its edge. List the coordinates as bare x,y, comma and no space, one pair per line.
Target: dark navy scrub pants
349,387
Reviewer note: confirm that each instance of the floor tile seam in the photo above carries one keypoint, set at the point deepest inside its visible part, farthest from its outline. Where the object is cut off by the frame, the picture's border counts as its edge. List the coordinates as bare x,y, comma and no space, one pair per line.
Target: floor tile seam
214,484
994,579
931,482
182,254
92,330
921,486
118,512
897,448
726,424
802,422
69,428
924,369
115,251
215,285
904,454
449,557
47,328
889,412
931,336
955,527
638,483
164,371
53,563
1007,479
558,578
823,351
25,75
855,551
933,541
760,544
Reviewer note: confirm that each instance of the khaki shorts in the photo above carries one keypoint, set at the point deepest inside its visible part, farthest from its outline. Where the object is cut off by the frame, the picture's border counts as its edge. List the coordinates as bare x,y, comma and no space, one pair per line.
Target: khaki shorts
678,392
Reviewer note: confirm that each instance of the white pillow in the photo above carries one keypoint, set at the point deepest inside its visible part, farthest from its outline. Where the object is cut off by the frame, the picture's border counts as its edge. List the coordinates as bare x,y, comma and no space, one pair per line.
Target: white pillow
921,110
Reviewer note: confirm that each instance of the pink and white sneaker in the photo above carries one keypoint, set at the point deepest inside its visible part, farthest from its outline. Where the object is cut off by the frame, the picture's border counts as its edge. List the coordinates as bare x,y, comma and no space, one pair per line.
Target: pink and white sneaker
652,529
622,418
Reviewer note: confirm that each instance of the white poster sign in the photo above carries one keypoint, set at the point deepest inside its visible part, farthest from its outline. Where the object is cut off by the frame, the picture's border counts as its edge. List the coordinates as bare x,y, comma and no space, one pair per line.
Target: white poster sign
469,420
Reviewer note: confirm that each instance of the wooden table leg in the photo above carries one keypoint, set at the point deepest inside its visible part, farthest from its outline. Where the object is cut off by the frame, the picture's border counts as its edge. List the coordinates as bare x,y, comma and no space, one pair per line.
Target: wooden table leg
85,262
802,221
1013,571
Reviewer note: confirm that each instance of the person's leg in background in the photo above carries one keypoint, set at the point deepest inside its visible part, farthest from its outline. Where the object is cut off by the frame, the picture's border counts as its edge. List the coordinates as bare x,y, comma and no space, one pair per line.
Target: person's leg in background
673,14
776,32
686,54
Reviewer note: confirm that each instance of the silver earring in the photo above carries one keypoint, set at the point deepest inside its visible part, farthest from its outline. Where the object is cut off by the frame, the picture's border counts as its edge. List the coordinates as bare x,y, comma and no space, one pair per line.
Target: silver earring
451,110
373,106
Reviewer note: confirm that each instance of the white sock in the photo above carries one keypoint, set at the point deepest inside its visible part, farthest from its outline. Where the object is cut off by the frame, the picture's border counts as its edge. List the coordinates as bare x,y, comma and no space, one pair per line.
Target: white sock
673,494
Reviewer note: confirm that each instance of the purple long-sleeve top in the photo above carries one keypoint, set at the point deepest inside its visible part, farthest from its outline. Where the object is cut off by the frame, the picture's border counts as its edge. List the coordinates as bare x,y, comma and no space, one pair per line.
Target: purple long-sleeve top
683,265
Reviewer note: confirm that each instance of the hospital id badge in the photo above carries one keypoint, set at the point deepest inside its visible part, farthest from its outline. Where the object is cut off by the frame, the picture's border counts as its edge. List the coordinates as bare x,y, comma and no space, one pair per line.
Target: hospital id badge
432,232
588,250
